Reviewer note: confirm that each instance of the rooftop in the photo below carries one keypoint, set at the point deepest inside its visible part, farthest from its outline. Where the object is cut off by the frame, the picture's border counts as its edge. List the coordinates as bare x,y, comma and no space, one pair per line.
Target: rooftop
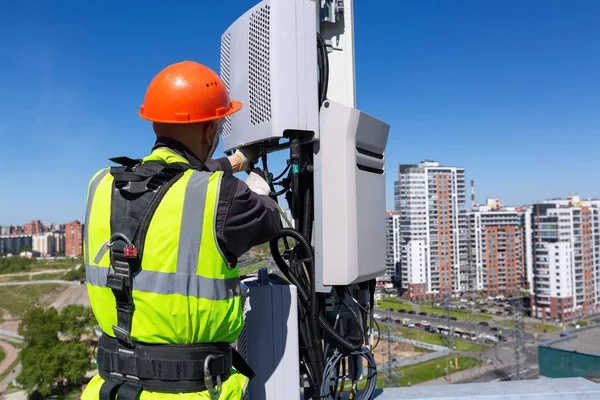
582,340
547,389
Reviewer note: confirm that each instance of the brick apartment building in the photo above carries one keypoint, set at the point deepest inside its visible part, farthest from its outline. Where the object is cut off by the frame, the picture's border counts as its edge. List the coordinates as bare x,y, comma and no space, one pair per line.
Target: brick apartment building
74,239
33,228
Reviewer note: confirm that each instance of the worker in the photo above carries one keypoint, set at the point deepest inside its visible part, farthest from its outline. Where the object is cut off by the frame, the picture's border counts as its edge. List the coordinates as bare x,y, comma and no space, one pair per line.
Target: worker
161,242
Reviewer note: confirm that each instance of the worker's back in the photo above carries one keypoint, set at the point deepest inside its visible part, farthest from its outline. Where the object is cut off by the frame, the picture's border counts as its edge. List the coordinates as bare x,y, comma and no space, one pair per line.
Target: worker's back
185,291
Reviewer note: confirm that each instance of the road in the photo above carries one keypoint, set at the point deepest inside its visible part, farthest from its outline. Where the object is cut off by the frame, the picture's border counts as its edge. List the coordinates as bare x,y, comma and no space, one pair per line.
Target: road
11,355
472,325
499,358
40,272
21,283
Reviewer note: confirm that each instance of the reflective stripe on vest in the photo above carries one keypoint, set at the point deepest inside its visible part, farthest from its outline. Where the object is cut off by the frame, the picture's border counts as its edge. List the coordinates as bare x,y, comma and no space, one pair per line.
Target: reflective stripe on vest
185,292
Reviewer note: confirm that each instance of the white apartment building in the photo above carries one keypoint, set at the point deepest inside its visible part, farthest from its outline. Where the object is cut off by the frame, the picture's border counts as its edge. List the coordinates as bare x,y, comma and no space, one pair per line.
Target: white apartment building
49,243
496,250
433,228
392,252
554,280
567,259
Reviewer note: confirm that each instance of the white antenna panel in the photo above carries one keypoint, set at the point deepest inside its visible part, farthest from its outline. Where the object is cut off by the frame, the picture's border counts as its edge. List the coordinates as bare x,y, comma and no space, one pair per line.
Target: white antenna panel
269,63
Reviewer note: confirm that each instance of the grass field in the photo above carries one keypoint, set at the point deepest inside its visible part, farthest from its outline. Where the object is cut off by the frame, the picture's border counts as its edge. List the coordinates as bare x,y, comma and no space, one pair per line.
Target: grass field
17,299
425,371
508,324
253,267
432,338
456,314
537,326
55,264
580,323
390,302
542,327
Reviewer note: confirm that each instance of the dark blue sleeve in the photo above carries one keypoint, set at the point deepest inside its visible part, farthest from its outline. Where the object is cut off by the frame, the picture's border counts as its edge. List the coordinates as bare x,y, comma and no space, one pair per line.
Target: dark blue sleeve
244,219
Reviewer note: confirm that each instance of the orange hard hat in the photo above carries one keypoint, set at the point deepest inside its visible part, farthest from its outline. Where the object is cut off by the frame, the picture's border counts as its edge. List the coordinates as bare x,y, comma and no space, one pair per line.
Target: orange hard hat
185,93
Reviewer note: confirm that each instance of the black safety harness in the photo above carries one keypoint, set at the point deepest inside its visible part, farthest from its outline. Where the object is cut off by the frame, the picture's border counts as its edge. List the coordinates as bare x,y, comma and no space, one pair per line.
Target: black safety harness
128,367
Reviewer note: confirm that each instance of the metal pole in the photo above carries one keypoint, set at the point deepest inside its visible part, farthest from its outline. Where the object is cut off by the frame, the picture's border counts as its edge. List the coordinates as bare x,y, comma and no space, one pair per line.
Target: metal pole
337,29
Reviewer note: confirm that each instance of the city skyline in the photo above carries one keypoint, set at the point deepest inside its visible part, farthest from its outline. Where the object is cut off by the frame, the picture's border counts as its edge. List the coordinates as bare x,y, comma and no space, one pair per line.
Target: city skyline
435,247
510,97
392,175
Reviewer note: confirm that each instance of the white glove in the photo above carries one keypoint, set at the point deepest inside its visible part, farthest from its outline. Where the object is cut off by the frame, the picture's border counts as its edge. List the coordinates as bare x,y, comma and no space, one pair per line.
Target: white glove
257,184
248,155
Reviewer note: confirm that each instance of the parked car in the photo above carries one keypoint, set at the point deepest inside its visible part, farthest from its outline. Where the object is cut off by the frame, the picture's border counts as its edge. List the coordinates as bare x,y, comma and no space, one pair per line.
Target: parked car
423,313
402,310
483,323
398,321
390,309
493,329
412,312
453,318
433,315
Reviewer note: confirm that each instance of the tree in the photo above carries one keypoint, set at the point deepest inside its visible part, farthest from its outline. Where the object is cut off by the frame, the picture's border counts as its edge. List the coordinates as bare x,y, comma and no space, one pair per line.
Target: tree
40,327
16,264
76,320
44,356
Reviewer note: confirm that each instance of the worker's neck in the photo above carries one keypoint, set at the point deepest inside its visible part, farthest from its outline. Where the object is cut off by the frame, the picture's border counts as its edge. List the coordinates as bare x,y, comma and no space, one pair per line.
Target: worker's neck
181,147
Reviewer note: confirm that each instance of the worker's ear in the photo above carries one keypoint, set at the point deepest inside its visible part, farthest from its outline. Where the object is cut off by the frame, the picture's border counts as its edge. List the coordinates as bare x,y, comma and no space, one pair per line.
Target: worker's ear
213,131
205,131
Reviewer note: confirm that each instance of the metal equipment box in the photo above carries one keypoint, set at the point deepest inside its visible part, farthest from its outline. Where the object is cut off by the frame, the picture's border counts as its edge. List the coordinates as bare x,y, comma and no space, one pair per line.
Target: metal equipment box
269,63
350,220
269,340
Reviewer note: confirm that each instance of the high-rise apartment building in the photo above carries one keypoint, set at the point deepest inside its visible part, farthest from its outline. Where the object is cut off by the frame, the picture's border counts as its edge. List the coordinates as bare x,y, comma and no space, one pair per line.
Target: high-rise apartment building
59,243
73,239
566,246
14,244
392,248
433,229
33,228
496,255
49,243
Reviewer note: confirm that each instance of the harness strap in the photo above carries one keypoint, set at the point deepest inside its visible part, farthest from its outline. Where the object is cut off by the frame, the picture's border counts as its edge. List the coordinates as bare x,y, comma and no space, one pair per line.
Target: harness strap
241,365
109,388
129,391
166,368
129,367
137,192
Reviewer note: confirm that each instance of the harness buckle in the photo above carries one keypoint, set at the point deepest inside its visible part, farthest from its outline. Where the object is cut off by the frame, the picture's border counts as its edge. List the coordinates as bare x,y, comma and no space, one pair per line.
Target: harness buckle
208,379
130,252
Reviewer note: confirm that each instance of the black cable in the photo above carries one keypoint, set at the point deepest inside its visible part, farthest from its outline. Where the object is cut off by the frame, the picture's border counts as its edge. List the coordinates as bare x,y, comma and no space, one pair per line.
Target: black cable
356,318
283,173
307,223
324,69
370,313
302,292
282,191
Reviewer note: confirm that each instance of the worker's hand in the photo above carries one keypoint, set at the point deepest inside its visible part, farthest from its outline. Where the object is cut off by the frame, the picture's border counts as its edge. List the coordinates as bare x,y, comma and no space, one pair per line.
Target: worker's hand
257,183
248,155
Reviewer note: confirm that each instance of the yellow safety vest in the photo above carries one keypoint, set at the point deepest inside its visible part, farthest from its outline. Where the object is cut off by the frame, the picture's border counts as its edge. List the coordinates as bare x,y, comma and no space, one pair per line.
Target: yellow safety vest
185,292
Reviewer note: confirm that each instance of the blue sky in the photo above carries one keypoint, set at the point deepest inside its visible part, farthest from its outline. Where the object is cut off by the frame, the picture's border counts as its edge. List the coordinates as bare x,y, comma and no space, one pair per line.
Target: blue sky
508,90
